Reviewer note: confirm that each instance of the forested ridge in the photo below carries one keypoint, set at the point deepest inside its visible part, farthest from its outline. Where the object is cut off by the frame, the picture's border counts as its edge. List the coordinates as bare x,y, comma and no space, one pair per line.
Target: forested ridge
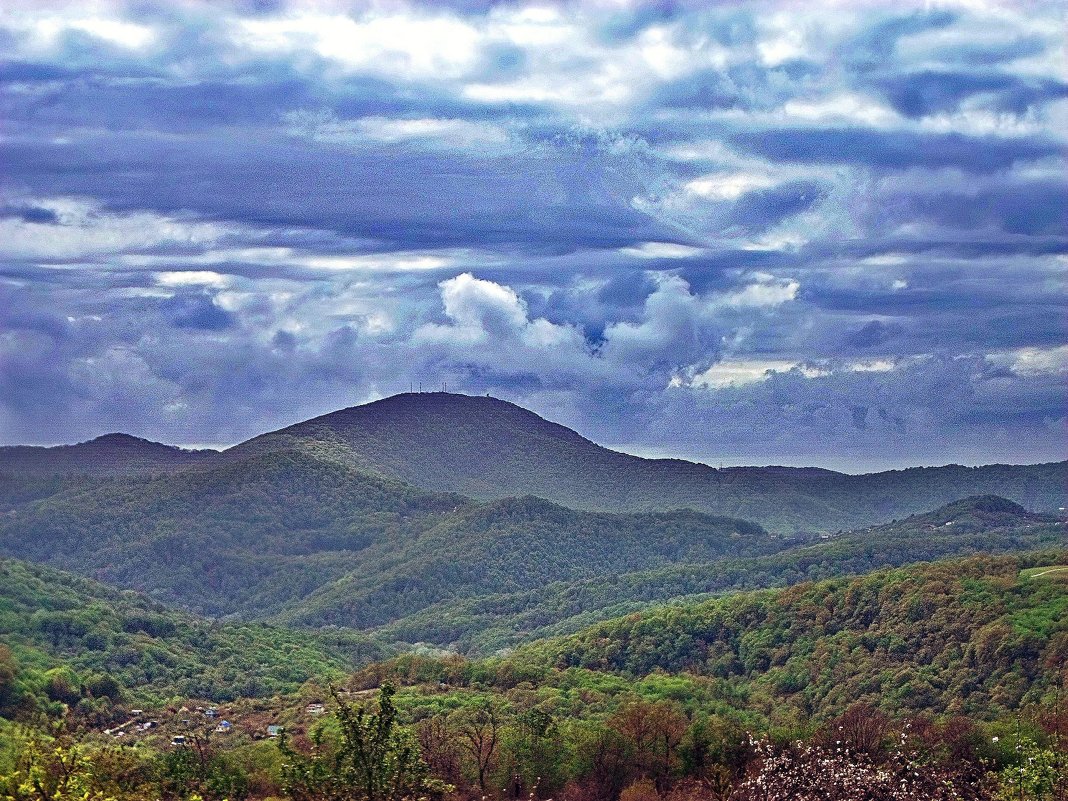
499,620
109,454
942,681
971,636
299,538
258,537
487,448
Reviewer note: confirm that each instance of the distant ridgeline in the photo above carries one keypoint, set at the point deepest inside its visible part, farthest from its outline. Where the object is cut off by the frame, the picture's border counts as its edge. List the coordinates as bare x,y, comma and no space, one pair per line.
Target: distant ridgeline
487,449
331,522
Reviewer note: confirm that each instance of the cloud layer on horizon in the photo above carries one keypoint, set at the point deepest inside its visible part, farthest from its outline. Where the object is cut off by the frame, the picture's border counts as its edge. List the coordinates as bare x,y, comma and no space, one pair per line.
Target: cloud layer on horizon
744,234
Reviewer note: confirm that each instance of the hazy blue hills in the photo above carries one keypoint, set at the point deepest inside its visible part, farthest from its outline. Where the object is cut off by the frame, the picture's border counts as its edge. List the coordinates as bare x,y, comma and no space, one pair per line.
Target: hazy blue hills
486,448
110,454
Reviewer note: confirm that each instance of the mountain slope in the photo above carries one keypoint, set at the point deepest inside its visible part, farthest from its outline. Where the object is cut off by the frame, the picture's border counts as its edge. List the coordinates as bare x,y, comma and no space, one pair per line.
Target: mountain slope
244,537
519,545
961,636
111,454
487,448
985,524
256,537
49,618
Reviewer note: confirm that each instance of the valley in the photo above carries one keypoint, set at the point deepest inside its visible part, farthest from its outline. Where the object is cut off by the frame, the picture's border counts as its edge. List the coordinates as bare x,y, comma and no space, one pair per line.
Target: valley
375,557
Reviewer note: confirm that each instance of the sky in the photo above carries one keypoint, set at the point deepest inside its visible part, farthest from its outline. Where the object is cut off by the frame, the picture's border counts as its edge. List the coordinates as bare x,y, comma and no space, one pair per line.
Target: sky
821,233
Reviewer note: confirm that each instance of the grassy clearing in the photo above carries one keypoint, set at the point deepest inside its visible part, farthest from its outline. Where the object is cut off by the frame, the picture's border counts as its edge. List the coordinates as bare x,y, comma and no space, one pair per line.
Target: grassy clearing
1048,572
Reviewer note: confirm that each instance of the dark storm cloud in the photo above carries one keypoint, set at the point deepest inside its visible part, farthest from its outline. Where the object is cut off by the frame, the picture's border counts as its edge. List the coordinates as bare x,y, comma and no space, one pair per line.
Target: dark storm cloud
1031,209
931,92
197,310
215,219
897,150
31,214
543,198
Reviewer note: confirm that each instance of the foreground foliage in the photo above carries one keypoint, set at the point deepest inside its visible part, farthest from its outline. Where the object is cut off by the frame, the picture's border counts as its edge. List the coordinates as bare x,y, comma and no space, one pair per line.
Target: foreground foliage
372,758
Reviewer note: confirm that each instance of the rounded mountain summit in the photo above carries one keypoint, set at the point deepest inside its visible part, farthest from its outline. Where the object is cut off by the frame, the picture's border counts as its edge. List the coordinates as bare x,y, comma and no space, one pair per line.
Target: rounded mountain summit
487,448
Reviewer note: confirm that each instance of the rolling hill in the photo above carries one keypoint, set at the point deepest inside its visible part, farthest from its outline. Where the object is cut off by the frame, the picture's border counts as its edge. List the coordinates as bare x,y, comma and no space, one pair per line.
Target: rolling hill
110,454
295,533
967,636
65,634
302,538
498,620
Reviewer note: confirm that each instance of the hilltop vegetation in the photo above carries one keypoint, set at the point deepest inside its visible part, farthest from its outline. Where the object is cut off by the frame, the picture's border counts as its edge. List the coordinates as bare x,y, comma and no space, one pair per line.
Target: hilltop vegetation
245,537
72,640
258,537
520,545
966,636
503,619
300,538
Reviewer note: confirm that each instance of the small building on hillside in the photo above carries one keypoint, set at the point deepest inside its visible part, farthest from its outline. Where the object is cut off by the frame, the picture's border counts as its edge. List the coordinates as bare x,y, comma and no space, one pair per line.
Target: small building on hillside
274,731
224,727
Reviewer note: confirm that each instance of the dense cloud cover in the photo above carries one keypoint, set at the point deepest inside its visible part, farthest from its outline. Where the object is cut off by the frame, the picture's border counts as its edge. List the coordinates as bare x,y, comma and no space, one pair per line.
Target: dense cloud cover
823,233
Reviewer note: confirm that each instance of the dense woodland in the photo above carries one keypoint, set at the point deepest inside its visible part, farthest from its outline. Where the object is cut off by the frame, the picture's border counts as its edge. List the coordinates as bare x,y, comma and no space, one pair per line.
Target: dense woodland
72,640
297,538
944,679
367,633
491,622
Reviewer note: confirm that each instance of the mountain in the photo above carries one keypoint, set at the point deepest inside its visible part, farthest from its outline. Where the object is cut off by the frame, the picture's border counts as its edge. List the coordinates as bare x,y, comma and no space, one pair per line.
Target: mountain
70,638
295,534
302,538
245,537
514,546
111,454
487,448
